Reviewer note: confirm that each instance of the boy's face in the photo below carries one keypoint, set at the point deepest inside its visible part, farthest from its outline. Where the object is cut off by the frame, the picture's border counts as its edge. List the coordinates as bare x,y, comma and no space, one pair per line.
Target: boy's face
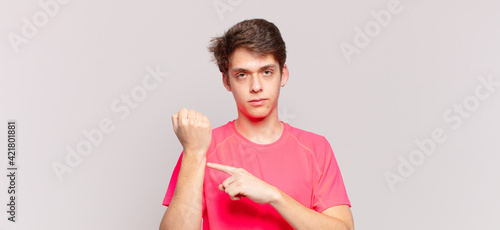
255,83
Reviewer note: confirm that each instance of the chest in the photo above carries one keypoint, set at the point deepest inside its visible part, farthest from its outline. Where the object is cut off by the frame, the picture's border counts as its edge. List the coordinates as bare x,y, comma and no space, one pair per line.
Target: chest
290,171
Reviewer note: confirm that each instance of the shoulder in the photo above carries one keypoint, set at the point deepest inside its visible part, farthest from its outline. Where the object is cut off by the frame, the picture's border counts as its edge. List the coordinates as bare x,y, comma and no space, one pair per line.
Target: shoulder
318,144
220,134
223,130
307,138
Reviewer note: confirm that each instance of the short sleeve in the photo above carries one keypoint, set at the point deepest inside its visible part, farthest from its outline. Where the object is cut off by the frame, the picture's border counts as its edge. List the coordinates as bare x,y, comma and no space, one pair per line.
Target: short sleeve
173,183
329,190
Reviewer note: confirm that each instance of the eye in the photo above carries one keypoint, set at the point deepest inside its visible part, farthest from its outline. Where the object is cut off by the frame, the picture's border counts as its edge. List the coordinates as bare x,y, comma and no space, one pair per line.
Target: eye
240,75
268,72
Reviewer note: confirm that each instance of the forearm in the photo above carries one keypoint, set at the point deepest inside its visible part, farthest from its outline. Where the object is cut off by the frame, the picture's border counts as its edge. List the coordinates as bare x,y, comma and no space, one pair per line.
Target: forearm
301,217
185,209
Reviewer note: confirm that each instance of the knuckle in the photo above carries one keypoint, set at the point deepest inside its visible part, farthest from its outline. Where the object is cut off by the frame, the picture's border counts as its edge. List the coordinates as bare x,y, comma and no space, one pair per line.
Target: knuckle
199,123
232,194
183,122
239,171
241,185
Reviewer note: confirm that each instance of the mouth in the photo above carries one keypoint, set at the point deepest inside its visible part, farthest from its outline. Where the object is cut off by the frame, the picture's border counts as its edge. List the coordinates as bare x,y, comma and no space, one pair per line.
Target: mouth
257,102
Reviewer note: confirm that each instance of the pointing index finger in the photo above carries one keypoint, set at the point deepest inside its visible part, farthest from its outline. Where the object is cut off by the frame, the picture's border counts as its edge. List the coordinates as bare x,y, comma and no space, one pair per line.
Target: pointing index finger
223,168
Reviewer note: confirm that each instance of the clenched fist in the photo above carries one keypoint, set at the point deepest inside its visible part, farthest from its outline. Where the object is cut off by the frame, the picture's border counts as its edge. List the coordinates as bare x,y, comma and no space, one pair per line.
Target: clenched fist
193,131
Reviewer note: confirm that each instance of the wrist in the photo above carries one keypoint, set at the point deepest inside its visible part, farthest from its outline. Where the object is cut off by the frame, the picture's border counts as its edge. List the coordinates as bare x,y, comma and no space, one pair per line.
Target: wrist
276,197
194,156
199,153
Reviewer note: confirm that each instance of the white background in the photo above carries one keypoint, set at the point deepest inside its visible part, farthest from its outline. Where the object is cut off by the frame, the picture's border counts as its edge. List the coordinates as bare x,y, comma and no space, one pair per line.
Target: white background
425,61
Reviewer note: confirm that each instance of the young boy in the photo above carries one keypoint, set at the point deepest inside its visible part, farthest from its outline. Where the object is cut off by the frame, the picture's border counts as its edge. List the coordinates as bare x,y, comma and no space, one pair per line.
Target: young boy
254,172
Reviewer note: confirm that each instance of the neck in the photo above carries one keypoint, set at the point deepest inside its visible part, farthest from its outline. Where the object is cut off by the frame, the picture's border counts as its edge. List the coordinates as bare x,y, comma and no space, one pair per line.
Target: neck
261,131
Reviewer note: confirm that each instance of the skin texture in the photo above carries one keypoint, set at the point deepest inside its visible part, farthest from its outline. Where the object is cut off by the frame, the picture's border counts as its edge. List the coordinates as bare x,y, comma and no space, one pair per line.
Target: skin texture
194,132
249,77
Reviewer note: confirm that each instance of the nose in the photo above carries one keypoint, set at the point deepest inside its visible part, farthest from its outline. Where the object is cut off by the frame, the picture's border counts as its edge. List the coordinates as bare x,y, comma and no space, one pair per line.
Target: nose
255,85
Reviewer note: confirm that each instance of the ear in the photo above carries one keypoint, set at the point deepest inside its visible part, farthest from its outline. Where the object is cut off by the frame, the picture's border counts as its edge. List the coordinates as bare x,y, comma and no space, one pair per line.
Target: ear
225,81
284,75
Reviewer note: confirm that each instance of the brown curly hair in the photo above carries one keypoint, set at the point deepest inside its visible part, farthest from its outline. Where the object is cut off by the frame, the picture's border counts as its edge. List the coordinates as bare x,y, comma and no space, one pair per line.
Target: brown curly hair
258,35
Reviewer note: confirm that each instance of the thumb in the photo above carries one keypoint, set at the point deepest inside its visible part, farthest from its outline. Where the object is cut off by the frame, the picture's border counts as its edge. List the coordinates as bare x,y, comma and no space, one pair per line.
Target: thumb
175,121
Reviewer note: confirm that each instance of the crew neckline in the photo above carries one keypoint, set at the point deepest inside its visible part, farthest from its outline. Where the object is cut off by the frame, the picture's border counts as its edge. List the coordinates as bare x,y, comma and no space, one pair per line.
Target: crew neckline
246,141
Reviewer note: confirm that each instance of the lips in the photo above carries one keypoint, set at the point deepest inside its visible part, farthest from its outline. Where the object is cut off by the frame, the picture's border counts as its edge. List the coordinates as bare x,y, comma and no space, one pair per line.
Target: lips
257,102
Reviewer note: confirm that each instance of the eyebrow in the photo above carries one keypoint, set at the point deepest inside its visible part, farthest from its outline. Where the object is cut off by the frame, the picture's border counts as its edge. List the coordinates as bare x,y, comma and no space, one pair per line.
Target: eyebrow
270,66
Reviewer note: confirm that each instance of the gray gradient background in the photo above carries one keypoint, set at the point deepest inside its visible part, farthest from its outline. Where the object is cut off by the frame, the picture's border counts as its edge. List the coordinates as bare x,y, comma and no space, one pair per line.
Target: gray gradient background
65,79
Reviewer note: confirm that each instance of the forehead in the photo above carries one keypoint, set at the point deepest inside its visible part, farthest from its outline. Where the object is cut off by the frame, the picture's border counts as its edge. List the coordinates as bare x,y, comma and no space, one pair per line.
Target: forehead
243,58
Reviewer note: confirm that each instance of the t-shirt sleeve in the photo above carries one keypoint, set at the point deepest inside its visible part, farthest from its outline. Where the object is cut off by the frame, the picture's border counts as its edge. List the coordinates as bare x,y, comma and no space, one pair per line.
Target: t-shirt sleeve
173,183
329,190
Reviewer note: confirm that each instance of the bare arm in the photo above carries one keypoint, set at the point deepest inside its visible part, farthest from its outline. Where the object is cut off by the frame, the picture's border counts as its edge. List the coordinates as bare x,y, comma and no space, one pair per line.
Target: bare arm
185,210
243,184
300,217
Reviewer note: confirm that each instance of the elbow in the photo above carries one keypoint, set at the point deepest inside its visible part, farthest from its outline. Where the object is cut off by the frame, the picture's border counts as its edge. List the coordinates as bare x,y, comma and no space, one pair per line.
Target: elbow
350,226
164,222
163,226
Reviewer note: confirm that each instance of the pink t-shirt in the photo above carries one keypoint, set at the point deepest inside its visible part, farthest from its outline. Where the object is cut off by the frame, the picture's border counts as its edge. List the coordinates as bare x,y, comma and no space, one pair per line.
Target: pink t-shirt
299,163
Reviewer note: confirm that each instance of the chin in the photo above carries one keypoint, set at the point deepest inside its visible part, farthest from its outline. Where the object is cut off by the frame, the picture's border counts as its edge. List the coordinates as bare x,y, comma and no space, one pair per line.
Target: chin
256,113
256,116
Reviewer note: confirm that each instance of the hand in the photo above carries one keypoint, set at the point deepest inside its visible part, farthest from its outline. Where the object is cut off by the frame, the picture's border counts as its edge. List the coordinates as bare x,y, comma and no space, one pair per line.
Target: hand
193,131
243,184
